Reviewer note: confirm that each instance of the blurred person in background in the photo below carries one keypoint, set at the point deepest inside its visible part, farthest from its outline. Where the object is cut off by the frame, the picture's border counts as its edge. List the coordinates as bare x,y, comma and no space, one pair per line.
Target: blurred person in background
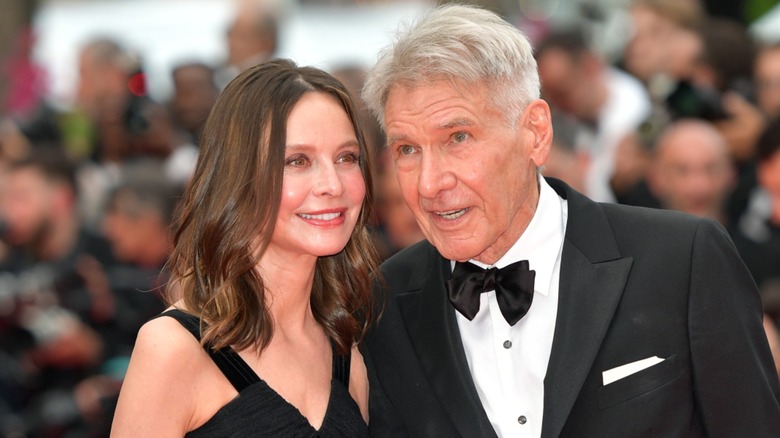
96,131
724,68
398,227
353,77
54,295
632,161
757,231
137,223
691,170
721,91
149,133
96,128
153,135
766,71
252,37
138,216
566,161
664,41
194,93
609,103
13,146
274,261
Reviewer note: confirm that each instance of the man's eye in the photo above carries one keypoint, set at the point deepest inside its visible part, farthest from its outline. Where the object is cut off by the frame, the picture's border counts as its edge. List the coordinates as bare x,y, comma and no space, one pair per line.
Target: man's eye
460,137
406,150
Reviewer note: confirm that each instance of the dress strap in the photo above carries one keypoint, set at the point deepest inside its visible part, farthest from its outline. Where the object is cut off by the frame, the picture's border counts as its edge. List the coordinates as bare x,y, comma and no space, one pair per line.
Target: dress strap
235,369
341,364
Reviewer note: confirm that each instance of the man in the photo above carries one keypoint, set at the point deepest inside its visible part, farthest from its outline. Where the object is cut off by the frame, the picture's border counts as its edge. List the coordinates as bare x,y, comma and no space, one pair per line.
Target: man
610,103
252,37
565,161
97,127
757,231
399,227
641,322
194,93
766,73
55,300
664,40
691,170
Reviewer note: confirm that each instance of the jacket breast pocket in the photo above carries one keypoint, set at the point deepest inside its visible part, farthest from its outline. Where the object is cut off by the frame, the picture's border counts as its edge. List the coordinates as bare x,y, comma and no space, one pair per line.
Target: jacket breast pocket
639,383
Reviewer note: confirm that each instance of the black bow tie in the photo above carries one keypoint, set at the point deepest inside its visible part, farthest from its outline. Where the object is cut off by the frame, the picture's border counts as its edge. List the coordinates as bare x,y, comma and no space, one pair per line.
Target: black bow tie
514,286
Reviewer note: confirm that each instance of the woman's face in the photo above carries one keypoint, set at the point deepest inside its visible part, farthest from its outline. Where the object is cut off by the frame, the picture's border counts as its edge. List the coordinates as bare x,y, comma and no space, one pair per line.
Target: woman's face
323,186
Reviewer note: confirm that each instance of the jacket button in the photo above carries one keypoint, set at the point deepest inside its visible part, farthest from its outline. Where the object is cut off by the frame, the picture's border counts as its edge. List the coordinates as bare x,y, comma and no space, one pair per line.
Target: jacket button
522,420
507,344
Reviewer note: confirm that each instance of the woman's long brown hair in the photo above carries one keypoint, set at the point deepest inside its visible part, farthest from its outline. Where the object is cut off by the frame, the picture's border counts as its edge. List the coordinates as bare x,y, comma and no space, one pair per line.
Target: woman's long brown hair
229,211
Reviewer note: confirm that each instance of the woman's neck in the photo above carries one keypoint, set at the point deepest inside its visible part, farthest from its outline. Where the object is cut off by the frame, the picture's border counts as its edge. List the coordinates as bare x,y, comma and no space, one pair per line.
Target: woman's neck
288,283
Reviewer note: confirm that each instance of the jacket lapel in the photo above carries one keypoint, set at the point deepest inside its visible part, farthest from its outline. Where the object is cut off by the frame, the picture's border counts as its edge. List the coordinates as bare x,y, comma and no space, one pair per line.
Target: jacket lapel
593,276
433,331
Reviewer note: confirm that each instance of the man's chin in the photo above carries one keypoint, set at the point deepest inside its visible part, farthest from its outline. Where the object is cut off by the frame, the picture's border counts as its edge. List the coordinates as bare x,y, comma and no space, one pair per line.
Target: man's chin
459,254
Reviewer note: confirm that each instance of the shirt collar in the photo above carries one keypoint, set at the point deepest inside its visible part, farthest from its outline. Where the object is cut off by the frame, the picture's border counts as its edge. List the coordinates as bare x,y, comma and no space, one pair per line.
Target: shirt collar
541,241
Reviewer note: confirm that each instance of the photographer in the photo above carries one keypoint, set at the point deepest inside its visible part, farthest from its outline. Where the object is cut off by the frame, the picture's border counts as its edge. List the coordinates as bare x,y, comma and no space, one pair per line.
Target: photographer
54,297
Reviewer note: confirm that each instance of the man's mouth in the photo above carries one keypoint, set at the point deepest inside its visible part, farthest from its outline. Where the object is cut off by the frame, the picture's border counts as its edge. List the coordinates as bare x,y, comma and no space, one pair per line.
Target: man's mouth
452,214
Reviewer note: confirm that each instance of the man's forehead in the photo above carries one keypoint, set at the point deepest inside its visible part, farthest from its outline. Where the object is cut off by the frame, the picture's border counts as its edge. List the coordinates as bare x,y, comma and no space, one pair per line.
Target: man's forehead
460,87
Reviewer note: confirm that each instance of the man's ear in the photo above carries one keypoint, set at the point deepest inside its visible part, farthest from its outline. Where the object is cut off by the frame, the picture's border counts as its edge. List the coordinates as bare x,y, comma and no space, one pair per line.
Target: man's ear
538,123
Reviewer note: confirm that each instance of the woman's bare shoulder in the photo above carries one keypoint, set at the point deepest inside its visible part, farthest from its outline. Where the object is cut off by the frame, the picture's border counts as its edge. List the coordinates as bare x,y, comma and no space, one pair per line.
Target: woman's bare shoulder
165,338
157,392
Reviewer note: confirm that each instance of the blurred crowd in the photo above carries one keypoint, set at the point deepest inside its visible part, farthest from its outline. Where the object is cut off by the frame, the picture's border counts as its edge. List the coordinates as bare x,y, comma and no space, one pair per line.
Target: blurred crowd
687,119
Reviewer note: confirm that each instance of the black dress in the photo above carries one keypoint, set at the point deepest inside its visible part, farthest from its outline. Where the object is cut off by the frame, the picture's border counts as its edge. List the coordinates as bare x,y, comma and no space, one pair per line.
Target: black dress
259,411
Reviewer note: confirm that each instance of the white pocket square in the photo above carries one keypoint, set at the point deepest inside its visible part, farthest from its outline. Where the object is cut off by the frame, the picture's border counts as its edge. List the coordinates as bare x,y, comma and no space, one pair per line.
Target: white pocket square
628,369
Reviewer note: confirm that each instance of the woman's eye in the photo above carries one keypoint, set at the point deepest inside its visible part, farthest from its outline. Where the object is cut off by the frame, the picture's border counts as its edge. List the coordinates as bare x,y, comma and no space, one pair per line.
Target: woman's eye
296,161
349,158
460,137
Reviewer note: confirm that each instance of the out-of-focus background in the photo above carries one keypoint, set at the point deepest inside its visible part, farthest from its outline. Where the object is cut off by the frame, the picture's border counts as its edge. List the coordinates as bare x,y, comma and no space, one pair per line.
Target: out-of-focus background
669,104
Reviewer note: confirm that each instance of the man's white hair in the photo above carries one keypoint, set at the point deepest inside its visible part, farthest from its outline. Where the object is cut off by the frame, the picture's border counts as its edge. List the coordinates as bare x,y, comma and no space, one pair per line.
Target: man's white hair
461,44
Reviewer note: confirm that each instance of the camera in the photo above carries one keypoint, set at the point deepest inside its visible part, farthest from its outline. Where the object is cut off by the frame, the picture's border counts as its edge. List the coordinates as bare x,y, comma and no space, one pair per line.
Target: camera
136,119
689,101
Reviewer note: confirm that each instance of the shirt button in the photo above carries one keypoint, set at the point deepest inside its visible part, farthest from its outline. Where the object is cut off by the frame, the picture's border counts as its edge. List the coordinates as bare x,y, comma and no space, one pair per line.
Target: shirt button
522,420
507,344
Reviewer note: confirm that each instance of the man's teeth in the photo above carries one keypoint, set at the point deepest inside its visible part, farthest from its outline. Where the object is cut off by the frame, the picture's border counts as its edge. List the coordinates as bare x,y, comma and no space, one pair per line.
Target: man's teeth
321,217
451,215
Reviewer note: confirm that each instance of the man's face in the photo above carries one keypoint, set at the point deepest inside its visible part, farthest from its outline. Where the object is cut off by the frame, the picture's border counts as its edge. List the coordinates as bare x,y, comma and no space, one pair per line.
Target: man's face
194,96
693,174
767,78
568,84
467,172
131,227
644,54
26,205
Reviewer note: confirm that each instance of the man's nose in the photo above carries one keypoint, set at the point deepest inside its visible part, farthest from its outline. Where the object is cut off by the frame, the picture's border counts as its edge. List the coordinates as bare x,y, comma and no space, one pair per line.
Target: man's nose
436,174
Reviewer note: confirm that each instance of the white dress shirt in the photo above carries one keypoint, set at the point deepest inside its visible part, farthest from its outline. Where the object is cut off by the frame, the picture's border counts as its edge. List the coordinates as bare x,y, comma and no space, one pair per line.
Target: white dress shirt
508,363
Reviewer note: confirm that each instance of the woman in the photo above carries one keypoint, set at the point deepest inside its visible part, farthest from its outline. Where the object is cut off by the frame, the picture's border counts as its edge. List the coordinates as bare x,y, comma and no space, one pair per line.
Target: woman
273,260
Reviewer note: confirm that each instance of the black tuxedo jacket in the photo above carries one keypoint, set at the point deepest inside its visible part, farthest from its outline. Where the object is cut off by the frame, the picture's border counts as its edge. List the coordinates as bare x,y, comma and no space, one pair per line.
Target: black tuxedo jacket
634,283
